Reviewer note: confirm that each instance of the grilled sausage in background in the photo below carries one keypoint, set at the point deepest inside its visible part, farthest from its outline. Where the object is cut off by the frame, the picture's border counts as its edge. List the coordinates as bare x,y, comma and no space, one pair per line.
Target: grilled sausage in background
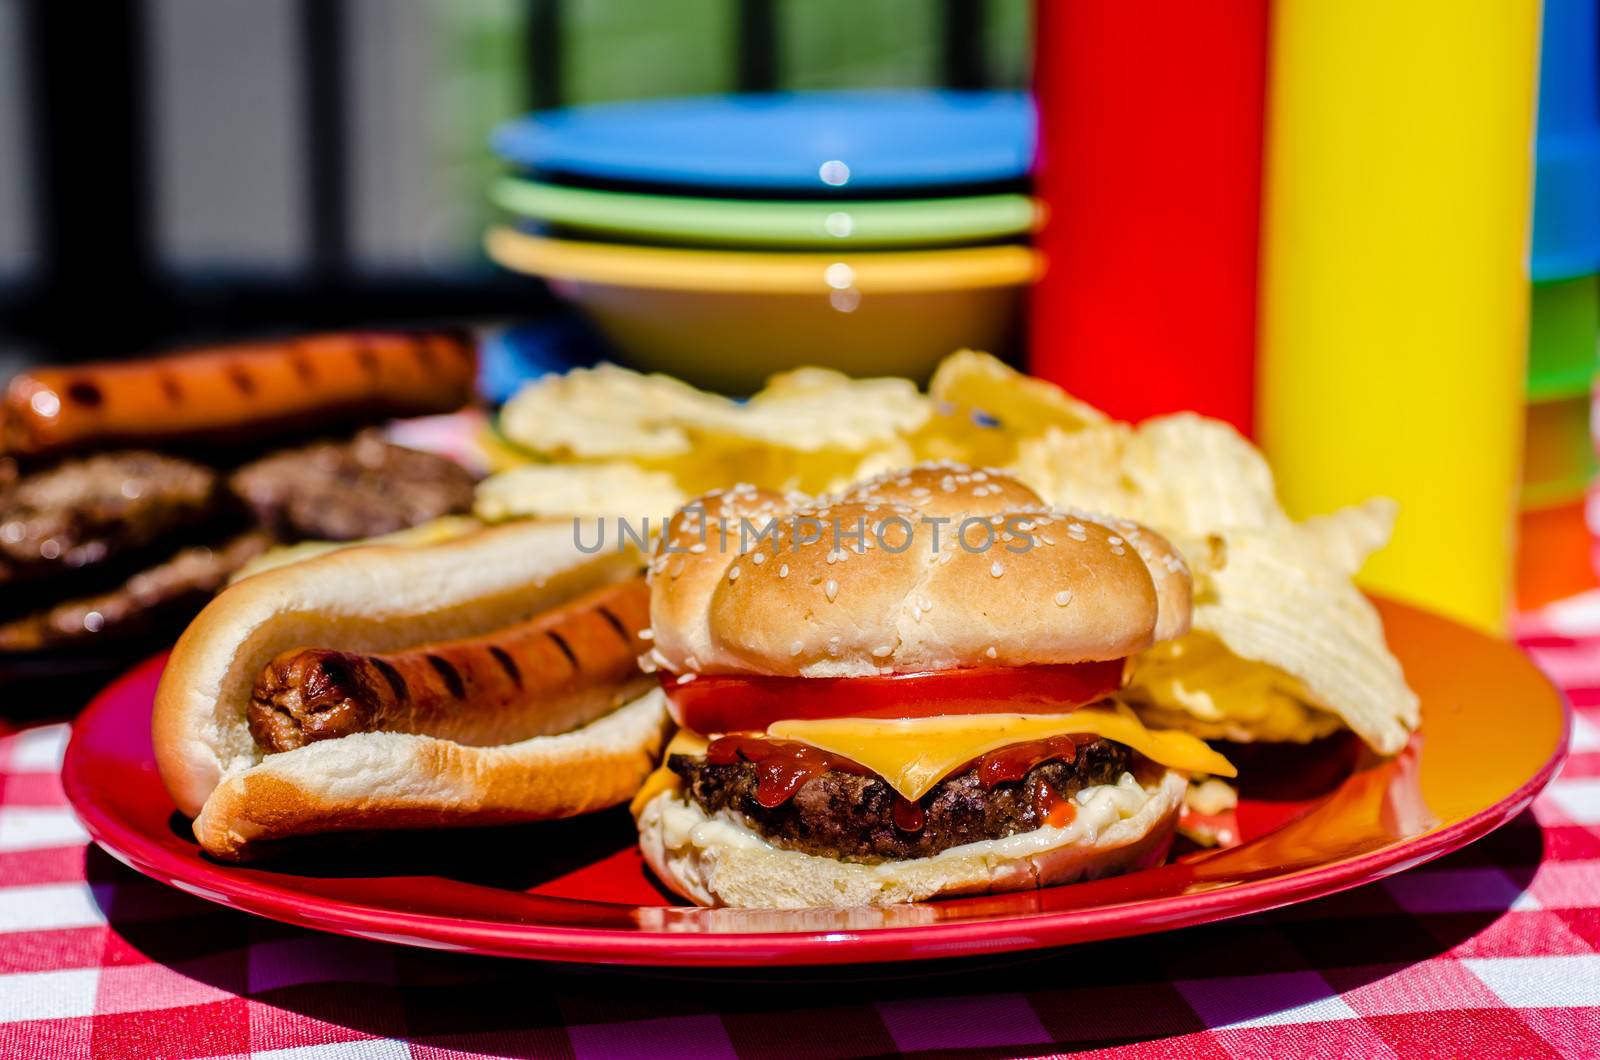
124,505
554,672
238,393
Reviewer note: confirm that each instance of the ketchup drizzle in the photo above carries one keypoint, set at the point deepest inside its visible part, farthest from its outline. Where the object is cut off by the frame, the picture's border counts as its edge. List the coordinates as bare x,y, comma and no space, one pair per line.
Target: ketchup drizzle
782,766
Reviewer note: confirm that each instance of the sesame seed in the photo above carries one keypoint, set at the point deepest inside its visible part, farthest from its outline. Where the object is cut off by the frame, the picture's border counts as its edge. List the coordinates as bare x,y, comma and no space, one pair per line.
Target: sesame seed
758,558
698,547
733,573
990,652
783,570
882,651
996,570
1113,540
684,679
1063,598
831,590
647,634
795,648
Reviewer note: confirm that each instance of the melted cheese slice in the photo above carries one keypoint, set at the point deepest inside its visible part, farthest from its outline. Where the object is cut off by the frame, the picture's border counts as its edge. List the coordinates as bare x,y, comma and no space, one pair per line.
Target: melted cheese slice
664,779
915,754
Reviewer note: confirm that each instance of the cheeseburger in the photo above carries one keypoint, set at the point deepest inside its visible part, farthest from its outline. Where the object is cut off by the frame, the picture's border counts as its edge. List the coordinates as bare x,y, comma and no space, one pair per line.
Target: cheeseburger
905,691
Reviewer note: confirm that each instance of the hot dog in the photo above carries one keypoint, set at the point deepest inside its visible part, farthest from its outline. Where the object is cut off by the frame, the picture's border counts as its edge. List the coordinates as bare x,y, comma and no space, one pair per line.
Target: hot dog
560,669
237,393
451,620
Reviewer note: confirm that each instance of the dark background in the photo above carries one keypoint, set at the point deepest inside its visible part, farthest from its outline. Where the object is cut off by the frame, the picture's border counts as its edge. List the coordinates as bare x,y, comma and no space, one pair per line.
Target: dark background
175,171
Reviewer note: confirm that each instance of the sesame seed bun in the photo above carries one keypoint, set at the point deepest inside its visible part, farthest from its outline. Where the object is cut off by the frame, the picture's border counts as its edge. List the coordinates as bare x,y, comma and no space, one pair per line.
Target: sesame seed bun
934,568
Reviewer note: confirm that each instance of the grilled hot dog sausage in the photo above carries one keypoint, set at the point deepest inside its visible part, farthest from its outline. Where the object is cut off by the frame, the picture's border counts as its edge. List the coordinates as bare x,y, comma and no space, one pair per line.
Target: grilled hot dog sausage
549,674
237,393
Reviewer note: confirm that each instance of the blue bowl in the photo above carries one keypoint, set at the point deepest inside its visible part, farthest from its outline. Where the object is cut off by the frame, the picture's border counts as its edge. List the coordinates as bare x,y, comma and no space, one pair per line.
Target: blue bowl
802,143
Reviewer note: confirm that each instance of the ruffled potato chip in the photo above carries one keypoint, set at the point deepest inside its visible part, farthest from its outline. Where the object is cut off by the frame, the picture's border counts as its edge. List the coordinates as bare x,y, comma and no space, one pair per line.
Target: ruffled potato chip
1023,405
1183,474
1284,646
812,429
1086,469
609,490
1279,601
1201,475
606,411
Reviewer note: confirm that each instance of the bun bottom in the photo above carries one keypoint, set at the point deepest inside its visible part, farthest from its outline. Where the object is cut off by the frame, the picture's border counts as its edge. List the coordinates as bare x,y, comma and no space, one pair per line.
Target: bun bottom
379,780
716,860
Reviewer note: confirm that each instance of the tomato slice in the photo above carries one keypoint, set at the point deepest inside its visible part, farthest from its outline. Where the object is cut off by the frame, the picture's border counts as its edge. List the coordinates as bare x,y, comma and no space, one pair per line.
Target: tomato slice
711,704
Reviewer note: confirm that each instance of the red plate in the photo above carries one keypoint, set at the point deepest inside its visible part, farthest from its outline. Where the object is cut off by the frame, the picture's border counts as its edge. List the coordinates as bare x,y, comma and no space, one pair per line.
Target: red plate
1493,732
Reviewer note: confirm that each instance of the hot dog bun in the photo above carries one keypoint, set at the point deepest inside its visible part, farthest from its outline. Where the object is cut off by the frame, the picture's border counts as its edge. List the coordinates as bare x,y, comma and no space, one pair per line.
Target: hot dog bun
382,598
239,392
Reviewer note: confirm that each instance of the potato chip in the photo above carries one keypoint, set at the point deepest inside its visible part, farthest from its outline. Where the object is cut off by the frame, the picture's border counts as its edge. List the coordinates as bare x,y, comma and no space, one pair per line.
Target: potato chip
1184,475
1196,684
1284,646
1280,601
817,408
1348,536
1023,405
1086,470
704,440
604,490
606,411
1201,475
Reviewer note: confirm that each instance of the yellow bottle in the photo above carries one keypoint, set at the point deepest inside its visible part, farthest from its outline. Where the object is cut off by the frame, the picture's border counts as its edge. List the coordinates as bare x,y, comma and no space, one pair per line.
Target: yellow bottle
1395,283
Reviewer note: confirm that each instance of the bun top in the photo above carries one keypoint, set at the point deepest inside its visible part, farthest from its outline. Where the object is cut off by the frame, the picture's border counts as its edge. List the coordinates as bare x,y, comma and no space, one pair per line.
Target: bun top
937,567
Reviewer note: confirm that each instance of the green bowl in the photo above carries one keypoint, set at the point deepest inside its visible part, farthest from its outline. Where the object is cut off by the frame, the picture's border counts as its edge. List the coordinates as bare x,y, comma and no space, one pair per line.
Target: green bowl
766,223
1563,329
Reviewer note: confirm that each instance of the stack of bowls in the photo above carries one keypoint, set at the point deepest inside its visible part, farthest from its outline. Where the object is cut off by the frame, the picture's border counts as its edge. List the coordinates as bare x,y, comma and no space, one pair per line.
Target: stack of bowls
724,238
1559,463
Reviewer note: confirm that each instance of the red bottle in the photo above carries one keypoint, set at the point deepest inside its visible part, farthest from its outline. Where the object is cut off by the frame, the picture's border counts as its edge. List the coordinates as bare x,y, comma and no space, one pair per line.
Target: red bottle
1149,172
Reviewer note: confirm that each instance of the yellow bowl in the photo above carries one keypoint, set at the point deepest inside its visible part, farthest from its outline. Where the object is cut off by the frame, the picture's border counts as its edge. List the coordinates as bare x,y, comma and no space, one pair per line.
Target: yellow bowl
729,319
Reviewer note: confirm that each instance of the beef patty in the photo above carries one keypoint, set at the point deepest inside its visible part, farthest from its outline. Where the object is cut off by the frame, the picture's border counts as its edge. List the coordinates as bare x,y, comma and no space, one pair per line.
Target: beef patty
849,817
165,595
340,491
84,512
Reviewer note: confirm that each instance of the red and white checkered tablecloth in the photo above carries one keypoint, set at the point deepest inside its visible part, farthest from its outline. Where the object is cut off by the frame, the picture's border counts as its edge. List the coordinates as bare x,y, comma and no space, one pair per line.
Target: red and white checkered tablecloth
1493,951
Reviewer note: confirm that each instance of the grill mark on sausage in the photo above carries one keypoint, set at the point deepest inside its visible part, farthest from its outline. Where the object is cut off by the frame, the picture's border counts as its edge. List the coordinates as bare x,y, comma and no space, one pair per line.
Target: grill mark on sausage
368,360
240,378
516,687
397,684
171,388
451,676
303,368
423,353
566,649
507,663
616,624
85,393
